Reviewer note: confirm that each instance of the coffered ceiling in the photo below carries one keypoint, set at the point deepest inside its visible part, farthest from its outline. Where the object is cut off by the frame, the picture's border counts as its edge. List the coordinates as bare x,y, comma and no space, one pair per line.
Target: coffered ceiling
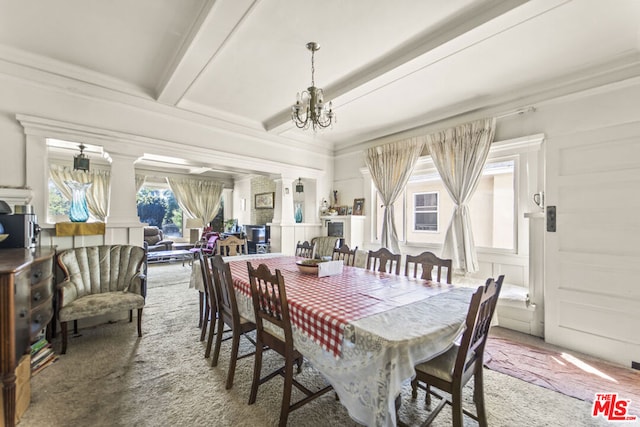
388,66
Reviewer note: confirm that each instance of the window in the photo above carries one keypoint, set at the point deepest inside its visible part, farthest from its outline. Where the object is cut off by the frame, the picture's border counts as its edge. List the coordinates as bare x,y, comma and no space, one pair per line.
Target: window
159,207
417,214
58,205
425,211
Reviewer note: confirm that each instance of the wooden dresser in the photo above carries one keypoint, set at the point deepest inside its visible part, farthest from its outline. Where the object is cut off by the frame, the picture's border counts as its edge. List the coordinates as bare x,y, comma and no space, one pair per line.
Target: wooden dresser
26,307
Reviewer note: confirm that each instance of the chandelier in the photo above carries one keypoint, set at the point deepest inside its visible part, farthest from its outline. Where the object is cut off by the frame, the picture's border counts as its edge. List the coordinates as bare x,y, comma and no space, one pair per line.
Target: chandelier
309,109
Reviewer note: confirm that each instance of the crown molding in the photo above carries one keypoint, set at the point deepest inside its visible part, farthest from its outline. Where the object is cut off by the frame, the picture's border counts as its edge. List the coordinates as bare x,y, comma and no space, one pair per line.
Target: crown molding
619,71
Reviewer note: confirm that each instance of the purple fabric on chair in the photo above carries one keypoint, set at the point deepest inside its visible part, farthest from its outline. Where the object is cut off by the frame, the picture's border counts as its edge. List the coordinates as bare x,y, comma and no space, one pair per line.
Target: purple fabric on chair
209,248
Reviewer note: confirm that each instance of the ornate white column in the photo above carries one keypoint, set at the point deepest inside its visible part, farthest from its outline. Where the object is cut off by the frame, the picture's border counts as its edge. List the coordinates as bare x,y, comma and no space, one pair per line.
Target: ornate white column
122,194
37,173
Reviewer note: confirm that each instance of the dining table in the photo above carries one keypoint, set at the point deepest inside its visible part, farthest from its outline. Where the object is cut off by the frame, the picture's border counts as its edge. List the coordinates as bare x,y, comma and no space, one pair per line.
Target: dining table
364,331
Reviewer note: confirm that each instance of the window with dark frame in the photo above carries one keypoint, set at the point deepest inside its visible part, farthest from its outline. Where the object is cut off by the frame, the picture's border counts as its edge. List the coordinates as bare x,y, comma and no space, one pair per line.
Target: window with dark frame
426,211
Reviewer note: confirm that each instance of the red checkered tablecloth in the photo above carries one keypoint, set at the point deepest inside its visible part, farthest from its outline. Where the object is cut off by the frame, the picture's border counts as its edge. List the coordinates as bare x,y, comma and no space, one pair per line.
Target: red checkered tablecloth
321,307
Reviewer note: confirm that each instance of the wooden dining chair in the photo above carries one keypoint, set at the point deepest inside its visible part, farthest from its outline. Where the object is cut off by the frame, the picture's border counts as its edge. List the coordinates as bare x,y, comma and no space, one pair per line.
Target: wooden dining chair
304,249
451,370
205,300
425,262
228,314
378,261
272,309
232,246
345,254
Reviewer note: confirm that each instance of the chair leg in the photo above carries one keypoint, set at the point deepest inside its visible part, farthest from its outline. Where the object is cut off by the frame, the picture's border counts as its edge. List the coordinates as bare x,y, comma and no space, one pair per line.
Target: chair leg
286,393
205,322
414,388
257,367
139,322
456,407
235,344
478,396
212,332
201,303
216,350
63,328
427,398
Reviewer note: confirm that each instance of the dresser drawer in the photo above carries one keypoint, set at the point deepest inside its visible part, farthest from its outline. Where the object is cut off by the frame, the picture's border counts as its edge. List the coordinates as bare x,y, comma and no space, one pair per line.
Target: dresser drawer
41,270
41,316
41,292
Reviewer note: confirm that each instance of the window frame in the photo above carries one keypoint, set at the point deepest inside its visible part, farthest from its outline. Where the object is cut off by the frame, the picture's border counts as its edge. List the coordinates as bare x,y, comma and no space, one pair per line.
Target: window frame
415,212
527,153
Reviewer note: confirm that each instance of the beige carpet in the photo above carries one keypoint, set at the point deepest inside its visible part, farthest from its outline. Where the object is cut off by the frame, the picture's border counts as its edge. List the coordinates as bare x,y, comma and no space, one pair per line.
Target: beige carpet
110,377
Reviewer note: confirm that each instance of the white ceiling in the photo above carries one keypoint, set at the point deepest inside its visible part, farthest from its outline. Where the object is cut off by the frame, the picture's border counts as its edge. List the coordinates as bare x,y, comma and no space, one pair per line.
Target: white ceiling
387,65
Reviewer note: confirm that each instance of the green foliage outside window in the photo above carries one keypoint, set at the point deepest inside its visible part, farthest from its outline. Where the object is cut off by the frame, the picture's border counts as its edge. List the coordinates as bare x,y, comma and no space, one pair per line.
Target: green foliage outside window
152,207
58,205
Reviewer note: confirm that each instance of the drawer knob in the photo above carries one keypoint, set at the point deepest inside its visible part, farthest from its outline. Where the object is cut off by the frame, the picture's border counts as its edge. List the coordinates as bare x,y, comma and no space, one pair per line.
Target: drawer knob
37,275
23,313
37,296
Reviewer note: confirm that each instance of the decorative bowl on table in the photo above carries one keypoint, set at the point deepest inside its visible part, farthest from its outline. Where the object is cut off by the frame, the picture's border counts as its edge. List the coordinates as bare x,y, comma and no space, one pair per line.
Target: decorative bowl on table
308,266
3,236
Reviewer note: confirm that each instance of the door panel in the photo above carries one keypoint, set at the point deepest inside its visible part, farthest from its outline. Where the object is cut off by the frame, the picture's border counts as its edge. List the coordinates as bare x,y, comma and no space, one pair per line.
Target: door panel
592,261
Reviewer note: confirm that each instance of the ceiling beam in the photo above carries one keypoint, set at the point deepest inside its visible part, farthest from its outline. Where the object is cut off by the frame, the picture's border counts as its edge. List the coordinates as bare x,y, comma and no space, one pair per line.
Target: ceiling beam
463,22
217,22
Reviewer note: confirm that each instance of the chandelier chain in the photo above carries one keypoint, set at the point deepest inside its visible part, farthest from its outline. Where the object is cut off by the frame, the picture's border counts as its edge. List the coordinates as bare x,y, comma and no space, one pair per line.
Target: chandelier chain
313,68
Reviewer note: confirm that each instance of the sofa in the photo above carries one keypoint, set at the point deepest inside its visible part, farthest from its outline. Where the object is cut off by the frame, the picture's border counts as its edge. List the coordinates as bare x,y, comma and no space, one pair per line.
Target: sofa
100,280
154,240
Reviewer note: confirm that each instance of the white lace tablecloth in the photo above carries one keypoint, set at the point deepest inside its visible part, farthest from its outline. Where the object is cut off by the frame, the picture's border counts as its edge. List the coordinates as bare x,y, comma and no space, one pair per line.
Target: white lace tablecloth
379,351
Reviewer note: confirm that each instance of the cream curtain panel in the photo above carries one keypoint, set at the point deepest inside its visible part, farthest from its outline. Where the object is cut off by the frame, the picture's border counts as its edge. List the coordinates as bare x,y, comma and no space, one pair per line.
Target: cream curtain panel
200,199
460,154
390,166
97,193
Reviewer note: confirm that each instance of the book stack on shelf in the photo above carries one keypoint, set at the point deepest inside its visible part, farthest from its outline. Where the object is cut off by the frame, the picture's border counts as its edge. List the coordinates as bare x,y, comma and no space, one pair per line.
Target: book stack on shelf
42,355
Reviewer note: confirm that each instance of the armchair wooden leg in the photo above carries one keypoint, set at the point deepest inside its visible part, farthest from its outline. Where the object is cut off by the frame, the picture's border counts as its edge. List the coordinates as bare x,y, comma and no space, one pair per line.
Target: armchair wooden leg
63,328
139,322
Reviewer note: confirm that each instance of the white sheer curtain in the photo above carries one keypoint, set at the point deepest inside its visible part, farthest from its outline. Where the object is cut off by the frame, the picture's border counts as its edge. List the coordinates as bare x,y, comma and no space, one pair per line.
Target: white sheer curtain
390,166
200,199
97,193
460,154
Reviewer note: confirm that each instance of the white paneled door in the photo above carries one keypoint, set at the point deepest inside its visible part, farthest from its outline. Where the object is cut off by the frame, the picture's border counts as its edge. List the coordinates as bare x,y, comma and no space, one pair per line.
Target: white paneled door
592,276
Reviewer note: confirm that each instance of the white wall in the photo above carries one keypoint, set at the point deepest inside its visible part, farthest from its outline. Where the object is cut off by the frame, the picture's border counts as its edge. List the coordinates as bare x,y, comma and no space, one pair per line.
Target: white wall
574,116
137,126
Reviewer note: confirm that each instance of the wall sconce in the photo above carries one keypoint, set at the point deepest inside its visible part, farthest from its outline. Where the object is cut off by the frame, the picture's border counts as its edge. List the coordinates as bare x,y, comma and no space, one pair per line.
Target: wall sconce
286,190
299,186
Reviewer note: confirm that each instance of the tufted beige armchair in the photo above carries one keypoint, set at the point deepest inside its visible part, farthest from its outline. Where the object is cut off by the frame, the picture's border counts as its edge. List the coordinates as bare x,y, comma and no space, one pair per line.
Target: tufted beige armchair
324,246
100,280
